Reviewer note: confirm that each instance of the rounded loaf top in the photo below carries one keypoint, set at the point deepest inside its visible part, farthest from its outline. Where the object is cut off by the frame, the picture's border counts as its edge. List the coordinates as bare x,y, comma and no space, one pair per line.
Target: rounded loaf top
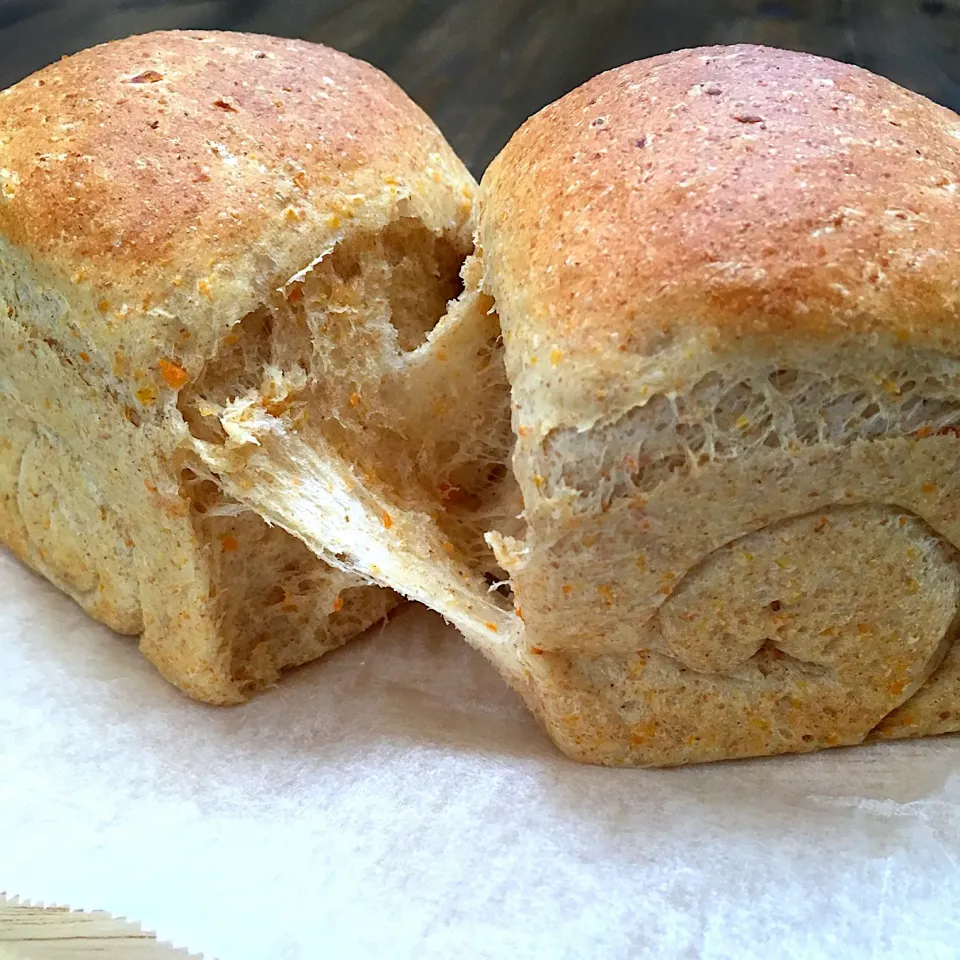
725,191
190,169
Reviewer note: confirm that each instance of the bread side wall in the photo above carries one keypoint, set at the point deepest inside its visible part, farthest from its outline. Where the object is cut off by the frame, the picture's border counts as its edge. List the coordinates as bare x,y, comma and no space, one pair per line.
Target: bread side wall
95,495
636,512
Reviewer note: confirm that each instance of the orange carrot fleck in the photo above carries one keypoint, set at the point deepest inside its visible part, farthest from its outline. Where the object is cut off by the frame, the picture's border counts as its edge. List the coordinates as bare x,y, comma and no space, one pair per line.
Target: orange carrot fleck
338,605
387,520
228,542
174,375
277,408
84,356
354,398
929,488
491,626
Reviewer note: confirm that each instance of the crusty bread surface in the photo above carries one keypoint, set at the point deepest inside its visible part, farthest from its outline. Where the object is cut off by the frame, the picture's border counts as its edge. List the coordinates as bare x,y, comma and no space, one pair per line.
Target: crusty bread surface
728,285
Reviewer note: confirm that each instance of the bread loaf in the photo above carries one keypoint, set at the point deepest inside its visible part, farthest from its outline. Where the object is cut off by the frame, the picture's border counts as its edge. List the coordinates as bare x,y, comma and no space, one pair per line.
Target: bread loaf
729,287
244,316
211,243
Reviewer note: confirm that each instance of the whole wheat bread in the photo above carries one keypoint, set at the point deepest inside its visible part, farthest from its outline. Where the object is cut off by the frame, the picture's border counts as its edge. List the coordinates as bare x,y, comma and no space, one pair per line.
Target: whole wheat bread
729,289
209,242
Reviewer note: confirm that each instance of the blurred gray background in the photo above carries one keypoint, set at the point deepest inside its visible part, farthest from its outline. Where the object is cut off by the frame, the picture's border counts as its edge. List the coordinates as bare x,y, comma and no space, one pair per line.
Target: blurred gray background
481,67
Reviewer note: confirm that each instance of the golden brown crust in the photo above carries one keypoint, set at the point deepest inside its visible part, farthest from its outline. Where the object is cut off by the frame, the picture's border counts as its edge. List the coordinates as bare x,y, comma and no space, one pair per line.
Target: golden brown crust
166,184
112,149
738,189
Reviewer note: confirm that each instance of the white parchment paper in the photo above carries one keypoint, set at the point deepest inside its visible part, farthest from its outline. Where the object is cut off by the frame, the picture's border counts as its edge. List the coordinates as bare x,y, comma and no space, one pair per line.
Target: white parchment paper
394,800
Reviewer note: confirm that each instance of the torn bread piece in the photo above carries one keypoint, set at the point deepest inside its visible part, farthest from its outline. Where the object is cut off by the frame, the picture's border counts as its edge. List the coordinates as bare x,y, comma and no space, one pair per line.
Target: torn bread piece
223,260
387,461
729,287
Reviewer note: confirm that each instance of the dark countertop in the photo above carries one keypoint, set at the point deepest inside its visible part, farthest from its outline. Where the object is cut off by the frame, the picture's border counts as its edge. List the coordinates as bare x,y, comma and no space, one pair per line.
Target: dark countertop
481,67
